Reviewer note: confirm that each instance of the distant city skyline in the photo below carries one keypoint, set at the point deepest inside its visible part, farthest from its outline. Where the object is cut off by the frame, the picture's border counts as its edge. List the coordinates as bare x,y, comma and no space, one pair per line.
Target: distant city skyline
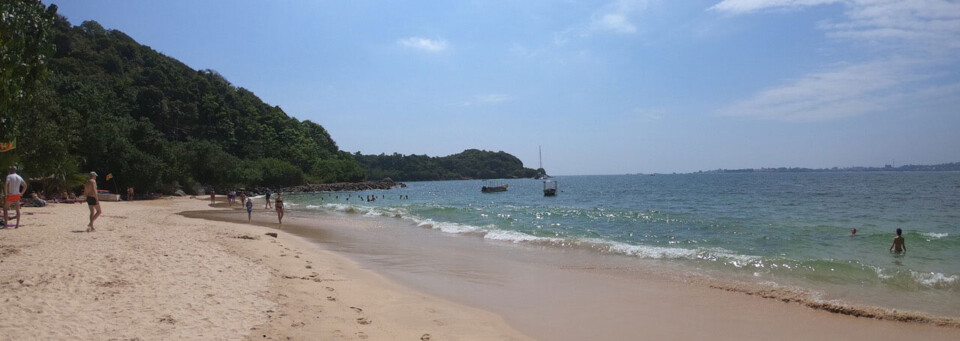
605,87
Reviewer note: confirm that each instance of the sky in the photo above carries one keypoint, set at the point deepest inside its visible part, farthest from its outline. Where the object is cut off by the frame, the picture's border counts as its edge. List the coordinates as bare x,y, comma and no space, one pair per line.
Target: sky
604,87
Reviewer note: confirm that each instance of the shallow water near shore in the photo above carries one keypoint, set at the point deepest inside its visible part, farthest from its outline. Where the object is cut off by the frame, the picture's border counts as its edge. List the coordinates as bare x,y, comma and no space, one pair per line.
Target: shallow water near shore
774,229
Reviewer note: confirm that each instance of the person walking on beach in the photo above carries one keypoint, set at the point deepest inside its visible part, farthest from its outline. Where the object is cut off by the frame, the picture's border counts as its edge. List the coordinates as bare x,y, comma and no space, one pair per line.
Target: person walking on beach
279,205
243,198
213,196
898,245
93,202
249,205
267,197
14,192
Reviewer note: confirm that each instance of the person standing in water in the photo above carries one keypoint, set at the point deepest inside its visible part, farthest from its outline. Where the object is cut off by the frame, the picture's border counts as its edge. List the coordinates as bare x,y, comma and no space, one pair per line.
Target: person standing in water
93,202
278,203
898,245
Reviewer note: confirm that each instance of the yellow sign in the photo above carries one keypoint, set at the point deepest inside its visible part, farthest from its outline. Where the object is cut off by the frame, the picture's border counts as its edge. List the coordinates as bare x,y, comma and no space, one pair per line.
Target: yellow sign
8,146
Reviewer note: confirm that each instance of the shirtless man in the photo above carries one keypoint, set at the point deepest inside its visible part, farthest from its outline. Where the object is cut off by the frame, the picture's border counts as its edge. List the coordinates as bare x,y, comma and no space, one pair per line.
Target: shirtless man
90,190
898,245
14,193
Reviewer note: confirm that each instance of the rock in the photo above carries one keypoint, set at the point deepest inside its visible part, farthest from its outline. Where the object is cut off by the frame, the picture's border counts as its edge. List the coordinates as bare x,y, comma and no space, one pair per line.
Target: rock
180,193
272,234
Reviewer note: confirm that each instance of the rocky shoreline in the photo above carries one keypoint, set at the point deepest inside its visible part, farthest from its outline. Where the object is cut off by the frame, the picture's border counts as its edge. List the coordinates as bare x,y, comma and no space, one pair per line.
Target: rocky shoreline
346,186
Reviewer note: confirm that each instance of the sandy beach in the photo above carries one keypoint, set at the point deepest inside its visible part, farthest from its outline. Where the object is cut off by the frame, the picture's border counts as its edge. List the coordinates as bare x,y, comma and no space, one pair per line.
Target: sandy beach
152,273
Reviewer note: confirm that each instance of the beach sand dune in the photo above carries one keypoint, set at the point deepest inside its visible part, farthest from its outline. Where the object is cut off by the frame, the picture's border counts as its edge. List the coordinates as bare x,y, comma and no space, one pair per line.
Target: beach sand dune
150,274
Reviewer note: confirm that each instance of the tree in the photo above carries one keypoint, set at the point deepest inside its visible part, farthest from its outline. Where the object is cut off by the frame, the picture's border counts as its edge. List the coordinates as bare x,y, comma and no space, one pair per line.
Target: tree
26,44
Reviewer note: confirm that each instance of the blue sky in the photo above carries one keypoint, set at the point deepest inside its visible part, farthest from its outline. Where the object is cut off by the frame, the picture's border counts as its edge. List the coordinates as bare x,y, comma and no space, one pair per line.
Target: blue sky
606,87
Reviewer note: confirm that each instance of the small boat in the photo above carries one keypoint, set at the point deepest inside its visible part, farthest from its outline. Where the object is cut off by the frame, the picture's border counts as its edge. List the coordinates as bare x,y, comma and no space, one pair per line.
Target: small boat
550,188
493,189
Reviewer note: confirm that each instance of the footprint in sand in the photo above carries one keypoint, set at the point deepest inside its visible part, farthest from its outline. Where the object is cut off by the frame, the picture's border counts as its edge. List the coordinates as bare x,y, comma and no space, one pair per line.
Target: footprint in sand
362,335
363,321
168,319
425,337
331,299
357,309
329,288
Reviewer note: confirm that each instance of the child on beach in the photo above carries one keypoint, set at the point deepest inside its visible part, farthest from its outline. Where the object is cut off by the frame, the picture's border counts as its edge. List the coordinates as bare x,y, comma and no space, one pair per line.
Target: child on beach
898,243
249,205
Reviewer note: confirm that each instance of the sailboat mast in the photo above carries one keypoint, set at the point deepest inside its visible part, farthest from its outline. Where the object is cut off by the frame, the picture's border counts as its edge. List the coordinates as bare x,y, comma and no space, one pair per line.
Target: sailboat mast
539,148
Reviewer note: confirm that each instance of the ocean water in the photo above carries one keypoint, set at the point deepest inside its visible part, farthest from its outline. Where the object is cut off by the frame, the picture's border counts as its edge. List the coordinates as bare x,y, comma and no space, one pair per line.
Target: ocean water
790,229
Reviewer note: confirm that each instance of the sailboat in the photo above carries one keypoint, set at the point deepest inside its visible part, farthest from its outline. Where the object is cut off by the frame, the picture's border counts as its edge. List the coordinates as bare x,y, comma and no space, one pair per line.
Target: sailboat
541,173
549,186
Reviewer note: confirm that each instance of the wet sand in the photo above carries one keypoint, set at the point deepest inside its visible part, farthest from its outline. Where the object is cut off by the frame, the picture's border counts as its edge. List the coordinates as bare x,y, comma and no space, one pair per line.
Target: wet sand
561,294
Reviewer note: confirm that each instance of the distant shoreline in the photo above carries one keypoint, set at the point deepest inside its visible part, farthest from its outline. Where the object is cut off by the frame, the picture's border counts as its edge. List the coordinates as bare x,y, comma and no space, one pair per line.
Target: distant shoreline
943,167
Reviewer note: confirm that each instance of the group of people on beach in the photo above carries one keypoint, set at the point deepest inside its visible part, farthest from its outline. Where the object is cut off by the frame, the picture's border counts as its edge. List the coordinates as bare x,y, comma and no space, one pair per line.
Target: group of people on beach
247,203
15,187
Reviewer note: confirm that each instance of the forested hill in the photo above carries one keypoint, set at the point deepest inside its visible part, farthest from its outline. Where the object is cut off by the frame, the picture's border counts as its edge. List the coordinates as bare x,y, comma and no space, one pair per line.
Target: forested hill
470,164
115,106
84,98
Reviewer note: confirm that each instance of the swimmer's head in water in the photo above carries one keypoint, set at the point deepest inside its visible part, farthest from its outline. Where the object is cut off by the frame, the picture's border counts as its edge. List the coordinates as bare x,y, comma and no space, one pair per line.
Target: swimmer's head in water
899,231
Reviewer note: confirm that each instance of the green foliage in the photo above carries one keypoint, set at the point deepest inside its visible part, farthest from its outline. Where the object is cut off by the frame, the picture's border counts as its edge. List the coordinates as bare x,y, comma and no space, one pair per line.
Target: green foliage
280,173
26,45
343,169
118,107
470,164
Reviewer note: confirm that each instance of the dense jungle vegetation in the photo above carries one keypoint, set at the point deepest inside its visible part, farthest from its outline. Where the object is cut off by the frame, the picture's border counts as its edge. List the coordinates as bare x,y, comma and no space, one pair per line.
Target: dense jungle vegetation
84,98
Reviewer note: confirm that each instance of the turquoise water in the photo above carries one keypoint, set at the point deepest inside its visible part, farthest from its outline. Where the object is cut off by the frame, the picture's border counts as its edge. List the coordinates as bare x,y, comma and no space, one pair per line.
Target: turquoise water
786,228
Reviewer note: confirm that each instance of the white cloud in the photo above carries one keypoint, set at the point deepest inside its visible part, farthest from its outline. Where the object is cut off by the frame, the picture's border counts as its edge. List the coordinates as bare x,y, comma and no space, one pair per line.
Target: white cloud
926,32
617,16
616,22
424,44
933,25
486,99
841,92
746,6
649,114
914,23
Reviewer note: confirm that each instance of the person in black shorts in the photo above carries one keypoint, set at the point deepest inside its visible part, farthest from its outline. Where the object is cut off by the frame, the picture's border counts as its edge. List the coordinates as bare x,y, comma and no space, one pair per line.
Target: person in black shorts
90,190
